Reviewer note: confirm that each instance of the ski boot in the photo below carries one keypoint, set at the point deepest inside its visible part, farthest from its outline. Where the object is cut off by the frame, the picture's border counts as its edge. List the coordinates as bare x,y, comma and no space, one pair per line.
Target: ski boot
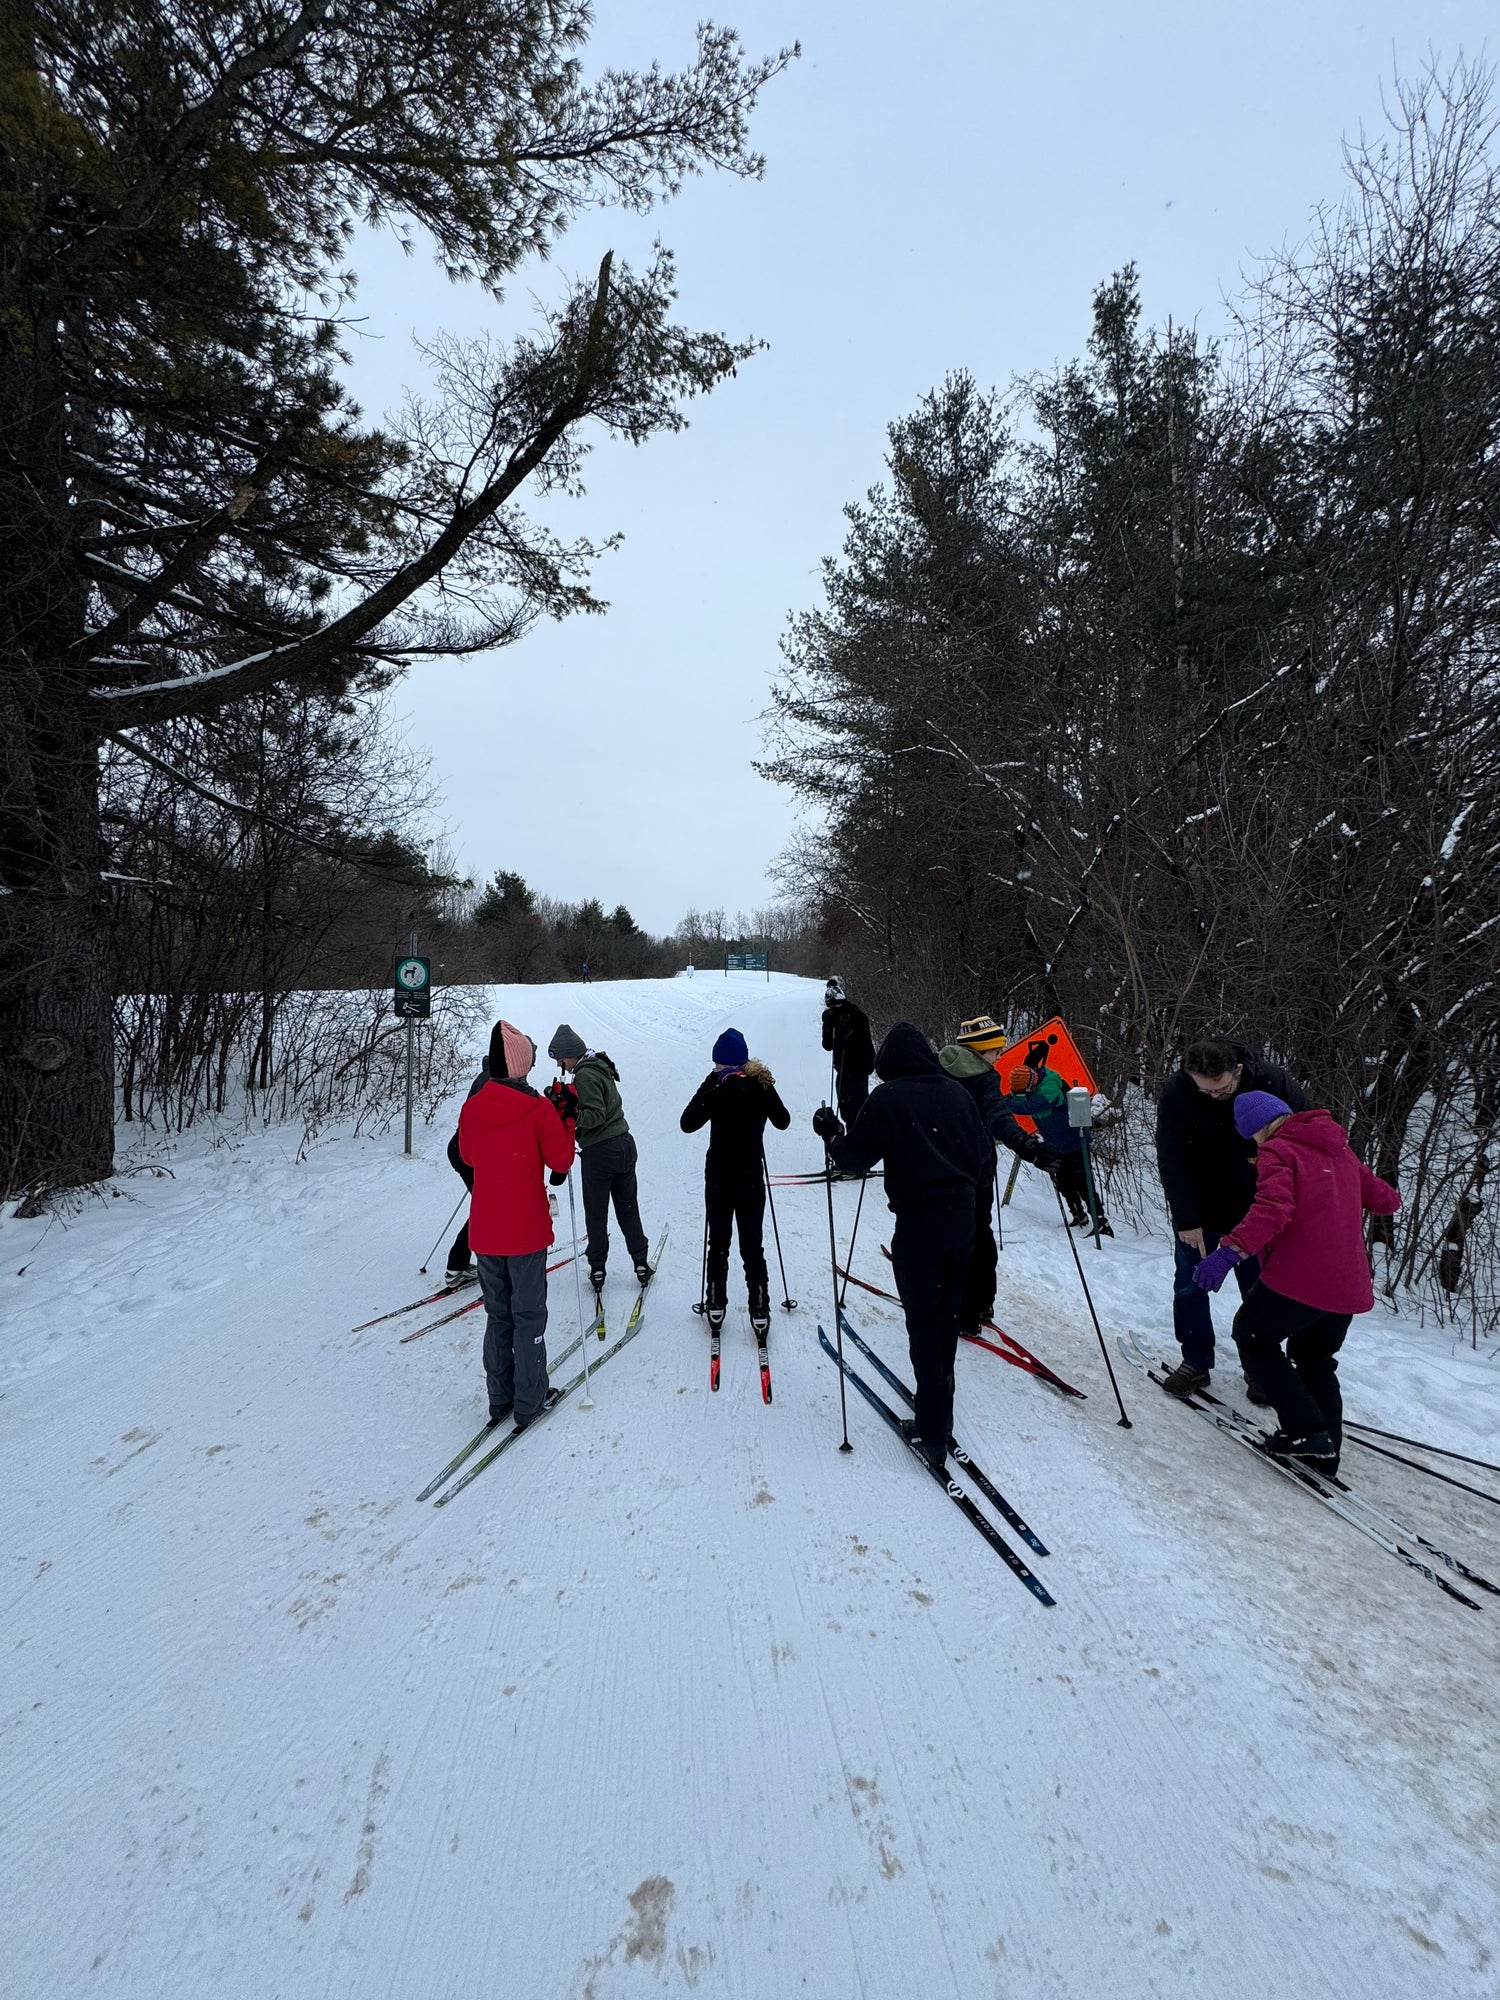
1315,1450
552,1397
499,1416
936,1457
715,1307
459,1274
1186,1380
760,1310
644,1273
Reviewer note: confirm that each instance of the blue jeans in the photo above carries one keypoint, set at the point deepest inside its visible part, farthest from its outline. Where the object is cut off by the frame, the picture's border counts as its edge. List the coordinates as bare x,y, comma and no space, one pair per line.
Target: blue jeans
1192,1322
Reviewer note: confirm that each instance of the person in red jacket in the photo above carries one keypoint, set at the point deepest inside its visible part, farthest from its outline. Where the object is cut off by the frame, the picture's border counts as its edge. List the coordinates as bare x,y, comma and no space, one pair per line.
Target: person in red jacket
511,1135
1306,1225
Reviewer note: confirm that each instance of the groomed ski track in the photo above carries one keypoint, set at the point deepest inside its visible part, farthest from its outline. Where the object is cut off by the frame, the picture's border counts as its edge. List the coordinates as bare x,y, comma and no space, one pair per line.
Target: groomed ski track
677,1699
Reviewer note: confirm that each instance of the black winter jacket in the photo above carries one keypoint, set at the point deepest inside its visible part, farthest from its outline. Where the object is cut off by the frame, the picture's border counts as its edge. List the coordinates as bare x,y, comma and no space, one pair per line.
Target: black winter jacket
846,1036
1207,1169
736,1109
921,1123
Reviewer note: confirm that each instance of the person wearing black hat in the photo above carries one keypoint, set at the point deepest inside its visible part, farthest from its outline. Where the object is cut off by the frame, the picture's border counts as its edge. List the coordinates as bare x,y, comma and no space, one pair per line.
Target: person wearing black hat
1208,1176
736,1101
846,1036
606,1149
925,1127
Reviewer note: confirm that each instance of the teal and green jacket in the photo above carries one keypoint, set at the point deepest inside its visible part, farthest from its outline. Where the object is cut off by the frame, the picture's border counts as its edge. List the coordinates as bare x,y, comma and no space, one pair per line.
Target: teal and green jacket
601,1115
1047,1107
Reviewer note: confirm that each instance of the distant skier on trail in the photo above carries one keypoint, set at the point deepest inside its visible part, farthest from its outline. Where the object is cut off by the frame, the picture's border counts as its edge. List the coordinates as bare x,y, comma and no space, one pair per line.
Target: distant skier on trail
846,1036
608,1154
980,1080
509,1135
924,1126
736,1100
1208,1176
1306,1228
1039,1093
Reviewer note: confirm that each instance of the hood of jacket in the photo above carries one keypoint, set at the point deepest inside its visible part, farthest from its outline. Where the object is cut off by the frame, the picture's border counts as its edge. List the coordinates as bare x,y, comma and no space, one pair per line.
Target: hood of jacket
1318,1129
603,1061
502,1101
906,1051
961,1062
757,1072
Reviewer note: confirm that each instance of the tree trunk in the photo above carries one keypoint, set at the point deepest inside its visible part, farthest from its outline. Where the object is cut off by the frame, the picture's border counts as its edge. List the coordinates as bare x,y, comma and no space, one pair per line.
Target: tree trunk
56,1041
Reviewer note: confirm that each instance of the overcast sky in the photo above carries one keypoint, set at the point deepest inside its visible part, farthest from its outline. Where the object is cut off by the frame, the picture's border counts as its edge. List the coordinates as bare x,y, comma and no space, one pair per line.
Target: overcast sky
946,184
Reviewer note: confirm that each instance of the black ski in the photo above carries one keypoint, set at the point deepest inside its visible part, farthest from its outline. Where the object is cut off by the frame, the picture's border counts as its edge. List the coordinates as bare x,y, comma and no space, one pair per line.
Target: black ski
470,1277
1216,1414
960,1457
951,1487
510,1437
1257,1436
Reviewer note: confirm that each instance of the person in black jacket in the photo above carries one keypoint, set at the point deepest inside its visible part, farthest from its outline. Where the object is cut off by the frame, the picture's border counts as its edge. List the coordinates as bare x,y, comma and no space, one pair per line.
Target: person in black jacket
735,1101
846,1036
981,1080
935,1148
459,1269
1208,1176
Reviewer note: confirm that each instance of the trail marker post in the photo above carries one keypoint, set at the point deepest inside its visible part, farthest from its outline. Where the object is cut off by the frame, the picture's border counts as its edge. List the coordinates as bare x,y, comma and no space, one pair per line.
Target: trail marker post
411,1002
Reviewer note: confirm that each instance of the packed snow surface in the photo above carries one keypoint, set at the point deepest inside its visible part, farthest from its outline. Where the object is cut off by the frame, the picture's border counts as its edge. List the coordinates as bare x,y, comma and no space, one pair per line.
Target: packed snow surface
675,1697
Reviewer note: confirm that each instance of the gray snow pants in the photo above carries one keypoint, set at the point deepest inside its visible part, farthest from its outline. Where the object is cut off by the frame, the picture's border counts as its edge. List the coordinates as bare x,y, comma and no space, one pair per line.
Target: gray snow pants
515,1330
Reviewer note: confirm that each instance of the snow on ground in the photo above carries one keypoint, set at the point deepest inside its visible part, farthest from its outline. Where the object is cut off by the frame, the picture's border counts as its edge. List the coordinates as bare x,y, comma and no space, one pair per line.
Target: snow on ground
676,1698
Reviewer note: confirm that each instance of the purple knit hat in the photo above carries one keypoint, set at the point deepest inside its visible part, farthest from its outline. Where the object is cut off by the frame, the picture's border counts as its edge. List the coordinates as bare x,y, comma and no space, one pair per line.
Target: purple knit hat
1257,1108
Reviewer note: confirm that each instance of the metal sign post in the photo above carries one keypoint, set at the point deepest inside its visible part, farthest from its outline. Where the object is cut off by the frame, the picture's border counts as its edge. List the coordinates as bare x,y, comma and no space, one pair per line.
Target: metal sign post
411,1002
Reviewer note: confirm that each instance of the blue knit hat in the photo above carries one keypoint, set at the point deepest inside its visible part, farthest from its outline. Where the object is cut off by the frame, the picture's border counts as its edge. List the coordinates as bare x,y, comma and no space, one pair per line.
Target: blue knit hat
730,1049
1257,1108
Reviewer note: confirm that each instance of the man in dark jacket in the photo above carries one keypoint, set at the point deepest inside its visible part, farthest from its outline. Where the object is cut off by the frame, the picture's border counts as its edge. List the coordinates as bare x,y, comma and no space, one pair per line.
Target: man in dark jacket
846,1036
606,1153
981,1080
735,1101
1208,1176
925,1128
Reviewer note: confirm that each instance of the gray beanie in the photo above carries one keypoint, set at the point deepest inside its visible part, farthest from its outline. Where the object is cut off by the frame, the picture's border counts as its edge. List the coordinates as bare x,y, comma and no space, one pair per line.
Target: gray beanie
566,1046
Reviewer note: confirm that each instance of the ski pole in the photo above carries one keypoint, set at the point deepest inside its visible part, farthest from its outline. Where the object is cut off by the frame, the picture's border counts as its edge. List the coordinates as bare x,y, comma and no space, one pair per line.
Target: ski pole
854,1232
788,1303
442,1233
838,1317
1125,1423
999,1225
1010,1185
588,1401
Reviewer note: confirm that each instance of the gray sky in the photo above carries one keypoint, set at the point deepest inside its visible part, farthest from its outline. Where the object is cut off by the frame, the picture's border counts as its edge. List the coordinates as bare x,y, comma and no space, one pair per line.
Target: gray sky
945,186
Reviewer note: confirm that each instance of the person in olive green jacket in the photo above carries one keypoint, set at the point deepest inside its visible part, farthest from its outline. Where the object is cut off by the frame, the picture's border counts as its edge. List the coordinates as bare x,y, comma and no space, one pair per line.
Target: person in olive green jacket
606,1152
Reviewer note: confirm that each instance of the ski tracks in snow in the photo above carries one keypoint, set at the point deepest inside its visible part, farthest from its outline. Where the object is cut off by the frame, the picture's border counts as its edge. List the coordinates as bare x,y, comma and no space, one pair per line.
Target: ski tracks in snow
675,1698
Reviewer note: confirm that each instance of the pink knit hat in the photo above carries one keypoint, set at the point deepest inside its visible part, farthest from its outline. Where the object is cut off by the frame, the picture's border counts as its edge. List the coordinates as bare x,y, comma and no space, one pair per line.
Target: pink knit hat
511,1052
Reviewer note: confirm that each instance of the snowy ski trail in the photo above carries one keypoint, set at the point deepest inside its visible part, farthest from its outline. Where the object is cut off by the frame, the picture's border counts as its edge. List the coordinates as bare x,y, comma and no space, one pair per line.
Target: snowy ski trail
680,1700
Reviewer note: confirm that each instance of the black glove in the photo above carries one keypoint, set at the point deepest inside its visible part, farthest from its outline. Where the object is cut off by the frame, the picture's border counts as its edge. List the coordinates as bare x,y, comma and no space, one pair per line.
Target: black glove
826,1124
1040,1154
557,1179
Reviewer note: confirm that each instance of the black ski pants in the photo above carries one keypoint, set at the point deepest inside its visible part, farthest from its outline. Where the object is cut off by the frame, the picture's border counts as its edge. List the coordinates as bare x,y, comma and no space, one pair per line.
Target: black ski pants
735,1200
458,1254
978,1301
931,1249
609,1176
1302,1381
853,1089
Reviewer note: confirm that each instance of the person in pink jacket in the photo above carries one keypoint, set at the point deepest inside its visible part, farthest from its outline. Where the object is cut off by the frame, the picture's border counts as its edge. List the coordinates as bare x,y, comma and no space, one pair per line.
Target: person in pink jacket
1306,1225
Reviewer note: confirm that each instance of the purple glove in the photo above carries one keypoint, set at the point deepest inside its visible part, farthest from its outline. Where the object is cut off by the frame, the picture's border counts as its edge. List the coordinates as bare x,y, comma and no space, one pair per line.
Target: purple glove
1210,1272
